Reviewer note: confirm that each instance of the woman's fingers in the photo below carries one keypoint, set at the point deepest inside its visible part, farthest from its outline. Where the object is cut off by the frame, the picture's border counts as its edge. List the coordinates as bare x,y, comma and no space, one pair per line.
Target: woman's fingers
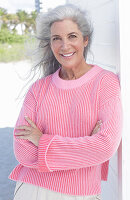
28,128
97,127
98,122
30,122
22,133
31,132
23,136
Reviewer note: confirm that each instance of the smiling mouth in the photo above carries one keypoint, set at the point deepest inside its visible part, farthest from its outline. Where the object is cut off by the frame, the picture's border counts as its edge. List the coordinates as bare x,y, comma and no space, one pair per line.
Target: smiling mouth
68,55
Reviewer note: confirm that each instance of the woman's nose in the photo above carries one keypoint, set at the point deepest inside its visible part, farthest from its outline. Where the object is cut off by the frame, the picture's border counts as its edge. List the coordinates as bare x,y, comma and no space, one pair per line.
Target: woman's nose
65,44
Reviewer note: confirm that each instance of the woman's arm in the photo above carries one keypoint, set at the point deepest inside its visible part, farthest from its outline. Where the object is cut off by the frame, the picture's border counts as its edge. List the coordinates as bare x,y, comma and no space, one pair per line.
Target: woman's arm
25,151
64,153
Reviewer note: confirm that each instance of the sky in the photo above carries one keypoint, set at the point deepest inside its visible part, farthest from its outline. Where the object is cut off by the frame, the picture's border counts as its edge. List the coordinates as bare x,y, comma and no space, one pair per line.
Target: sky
28,5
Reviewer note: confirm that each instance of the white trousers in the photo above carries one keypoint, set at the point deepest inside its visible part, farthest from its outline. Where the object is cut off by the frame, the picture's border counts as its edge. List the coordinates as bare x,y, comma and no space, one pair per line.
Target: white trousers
24,191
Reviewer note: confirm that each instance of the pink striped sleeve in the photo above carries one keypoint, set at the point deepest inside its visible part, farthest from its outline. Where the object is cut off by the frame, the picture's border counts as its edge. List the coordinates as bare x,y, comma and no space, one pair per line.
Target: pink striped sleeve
25,152
64,153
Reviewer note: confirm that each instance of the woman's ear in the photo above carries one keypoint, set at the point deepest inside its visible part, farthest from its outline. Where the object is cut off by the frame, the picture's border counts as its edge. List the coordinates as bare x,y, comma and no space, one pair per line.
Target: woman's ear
86,41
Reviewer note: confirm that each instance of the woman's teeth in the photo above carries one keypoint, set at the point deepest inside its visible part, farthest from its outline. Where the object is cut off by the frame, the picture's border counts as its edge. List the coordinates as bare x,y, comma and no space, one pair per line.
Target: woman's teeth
67,55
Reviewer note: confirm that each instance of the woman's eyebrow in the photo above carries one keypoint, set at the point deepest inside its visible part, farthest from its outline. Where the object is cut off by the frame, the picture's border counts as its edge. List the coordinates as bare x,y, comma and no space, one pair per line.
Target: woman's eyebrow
55,36
73,33
67,34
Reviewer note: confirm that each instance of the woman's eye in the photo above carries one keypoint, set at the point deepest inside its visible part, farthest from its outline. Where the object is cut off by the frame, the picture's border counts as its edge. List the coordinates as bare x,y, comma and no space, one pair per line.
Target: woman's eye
72,36
56,38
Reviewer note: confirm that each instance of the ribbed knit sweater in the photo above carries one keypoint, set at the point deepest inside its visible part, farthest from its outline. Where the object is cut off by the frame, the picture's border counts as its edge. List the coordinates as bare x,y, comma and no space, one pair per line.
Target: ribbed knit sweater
69,159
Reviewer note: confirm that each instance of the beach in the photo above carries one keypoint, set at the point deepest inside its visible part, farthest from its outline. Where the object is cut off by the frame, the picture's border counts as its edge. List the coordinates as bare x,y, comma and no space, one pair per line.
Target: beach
13,86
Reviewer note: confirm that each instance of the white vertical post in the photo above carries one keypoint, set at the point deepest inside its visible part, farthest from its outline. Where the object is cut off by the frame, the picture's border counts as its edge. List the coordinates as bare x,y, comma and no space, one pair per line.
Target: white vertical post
118,71
120,172
124,14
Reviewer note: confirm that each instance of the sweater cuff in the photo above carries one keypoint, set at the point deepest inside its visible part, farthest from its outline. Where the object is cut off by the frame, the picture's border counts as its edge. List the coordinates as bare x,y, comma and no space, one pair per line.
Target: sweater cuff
44,144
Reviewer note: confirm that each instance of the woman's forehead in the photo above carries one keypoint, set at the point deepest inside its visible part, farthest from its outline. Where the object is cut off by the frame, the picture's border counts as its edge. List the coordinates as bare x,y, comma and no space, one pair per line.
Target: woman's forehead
64,26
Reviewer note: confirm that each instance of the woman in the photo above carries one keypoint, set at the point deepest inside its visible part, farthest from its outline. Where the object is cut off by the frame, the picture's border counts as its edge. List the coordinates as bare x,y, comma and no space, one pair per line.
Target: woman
59,140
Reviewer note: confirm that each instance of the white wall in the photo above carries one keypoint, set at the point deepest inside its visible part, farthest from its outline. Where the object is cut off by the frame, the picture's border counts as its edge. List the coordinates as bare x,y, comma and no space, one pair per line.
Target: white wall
124,8
105,47
104,16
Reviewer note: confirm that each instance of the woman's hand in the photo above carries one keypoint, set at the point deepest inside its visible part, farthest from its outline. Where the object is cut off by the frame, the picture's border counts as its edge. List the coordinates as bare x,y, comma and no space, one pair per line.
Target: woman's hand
97,127
31,133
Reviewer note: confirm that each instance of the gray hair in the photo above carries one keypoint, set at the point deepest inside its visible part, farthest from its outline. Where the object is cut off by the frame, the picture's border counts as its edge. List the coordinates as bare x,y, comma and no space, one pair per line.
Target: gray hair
43,55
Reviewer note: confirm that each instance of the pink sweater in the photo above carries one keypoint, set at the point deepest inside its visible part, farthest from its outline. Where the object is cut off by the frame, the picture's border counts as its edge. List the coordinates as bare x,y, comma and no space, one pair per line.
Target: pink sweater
68,159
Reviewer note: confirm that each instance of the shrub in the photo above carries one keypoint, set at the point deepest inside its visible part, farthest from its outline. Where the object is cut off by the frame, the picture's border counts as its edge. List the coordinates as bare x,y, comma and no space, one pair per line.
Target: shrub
12,52
7,37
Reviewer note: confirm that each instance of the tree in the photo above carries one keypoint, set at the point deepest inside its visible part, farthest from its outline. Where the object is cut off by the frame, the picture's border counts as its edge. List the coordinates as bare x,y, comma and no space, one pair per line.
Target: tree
32,20
10,21
13,21
3,13
22,17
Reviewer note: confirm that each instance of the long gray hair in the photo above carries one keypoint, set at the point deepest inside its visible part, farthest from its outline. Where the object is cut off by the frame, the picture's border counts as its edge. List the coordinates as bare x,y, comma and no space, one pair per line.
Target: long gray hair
43,54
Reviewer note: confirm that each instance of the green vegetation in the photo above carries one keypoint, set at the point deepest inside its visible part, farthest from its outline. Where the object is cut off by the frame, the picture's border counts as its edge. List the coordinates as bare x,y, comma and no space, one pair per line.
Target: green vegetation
13,52
11,42
7,37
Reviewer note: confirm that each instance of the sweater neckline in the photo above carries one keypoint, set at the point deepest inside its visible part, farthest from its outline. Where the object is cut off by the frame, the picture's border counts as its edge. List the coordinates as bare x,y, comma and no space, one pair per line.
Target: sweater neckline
71,84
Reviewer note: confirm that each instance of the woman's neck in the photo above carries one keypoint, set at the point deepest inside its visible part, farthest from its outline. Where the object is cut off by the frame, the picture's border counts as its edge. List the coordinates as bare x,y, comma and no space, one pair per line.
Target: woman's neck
72,74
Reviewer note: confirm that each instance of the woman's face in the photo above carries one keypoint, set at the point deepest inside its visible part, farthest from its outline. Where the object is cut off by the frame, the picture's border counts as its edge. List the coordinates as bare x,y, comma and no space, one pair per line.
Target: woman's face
67,44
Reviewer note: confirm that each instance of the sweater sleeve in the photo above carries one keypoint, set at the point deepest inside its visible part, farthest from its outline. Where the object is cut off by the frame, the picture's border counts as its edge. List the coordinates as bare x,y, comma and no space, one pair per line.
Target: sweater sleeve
25,151
65,153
